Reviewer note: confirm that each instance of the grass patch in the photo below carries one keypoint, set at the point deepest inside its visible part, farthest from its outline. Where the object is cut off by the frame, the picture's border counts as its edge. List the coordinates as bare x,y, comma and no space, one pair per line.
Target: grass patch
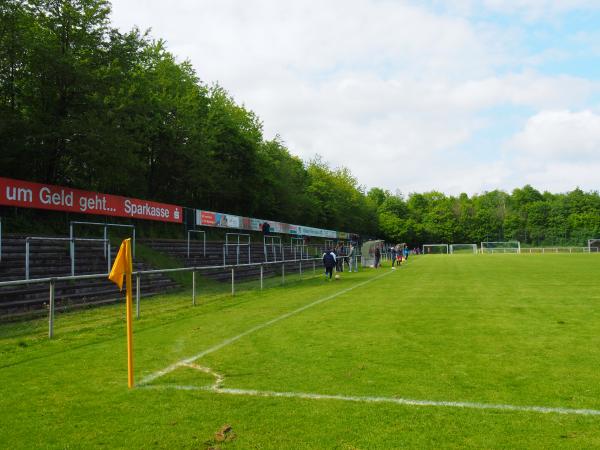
514,329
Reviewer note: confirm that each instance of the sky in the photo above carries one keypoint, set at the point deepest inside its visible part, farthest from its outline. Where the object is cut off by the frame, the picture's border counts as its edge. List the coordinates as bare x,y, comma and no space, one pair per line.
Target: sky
412,96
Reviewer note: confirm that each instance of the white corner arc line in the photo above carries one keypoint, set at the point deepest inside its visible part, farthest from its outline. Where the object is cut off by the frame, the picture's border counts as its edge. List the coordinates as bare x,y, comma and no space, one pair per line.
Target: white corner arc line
393,400
153,376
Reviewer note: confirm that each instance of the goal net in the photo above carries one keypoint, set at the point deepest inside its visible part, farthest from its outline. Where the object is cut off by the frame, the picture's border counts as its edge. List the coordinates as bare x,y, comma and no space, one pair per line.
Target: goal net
463,248
435,249
501,247
593,245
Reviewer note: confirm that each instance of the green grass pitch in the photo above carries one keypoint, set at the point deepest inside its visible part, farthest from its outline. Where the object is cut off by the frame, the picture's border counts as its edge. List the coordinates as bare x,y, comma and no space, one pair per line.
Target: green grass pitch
333,365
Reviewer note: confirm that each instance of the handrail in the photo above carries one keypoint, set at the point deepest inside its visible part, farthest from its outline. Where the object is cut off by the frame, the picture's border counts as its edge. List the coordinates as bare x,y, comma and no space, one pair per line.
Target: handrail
148,272
106,226
237,252
237,244
71,241
272,243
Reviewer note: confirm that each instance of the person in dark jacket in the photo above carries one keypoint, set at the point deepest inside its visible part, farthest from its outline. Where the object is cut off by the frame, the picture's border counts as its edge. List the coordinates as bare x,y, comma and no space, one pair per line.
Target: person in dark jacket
377,257
266,228
329,260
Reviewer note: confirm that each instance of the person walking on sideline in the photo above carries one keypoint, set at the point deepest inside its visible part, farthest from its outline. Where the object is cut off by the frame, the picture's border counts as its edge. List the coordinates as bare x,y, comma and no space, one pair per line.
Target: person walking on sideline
377,257
393,255
329,261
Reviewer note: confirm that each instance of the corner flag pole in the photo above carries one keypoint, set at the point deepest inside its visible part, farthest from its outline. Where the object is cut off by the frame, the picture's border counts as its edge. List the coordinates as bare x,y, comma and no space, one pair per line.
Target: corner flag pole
123,266
129,305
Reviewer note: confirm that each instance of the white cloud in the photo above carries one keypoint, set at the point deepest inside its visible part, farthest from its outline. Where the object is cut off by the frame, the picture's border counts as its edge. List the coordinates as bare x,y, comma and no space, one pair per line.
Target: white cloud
391,89
558,150
561,136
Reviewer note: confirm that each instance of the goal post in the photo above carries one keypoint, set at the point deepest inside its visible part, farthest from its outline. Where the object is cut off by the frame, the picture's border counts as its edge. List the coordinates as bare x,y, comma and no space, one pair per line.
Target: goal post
501,247
593,245
435,249
463,248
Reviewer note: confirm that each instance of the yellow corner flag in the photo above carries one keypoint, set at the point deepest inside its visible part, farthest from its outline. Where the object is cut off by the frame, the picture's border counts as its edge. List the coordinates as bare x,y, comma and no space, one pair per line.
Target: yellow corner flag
123,267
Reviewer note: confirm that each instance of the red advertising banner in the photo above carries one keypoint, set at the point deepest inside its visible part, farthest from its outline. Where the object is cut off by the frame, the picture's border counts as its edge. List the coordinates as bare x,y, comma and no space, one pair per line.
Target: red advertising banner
45,196
208,218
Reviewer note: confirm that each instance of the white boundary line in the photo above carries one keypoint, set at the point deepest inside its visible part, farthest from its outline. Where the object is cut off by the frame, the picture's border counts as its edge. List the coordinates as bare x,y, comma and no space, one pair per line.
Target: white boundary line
393,400
217,387
153,376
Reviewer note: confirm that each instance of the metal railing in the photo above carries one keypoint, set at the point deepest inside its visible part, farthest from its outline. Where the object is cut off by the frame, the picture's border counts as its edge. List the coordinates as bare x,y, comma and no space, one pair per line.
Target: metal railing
273,242
71,241
203,241
297,243
237,253
543,250
105,226
237,245
138,276
0,239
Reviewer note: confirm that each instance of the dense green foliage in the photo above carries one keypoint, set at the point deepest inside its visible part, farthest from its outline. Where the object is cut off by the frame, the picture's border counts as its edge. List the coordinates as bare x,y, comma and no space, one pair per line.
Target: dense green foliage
86,105
498,329
525,215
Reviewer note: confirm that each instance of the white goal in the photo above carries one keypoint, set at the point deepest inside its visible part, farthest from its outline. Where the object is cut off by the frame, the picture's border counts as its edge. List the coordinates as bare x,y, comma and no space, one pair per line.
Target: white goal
501,247
593,245
463,248
435,249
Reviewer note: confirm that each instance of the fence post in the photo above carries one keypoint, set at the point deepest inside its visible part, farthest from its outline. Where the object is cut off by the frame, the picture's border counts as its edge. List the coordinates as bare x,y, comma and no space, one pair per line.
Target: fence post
72,247
194,288
300,269
314,268
106,255
26,259
232,281
105,239
51,311
138,289
283,273
261,277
